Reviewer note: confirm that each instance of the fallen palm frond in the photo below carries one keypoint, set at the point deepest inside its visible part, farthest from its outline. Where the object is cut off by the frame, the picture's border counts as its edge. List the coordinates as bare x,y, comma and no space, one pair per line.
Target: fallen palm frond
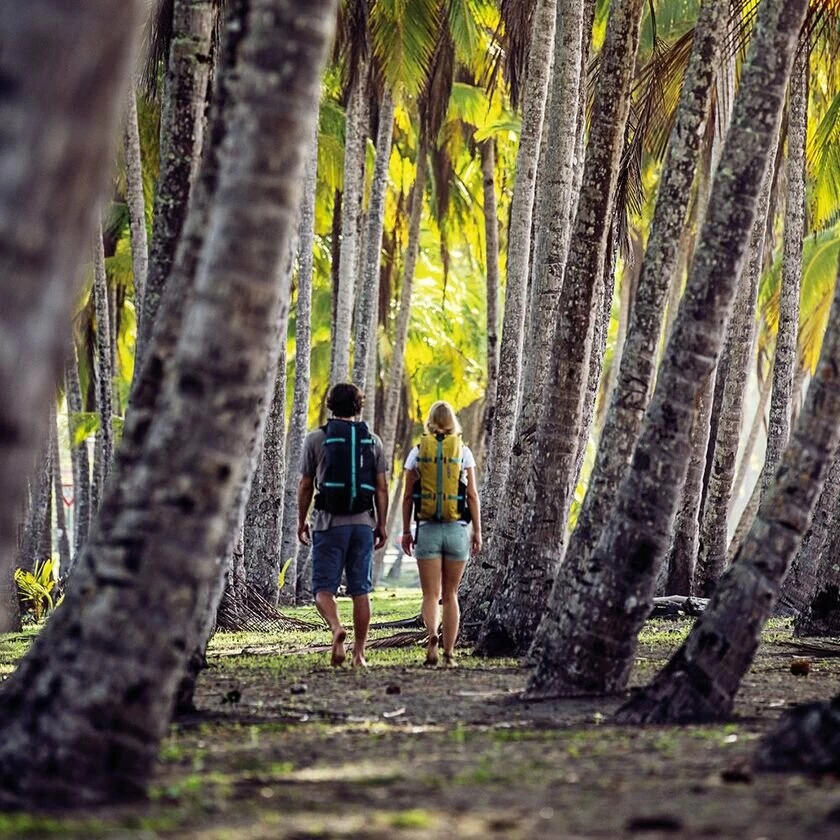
824,650
252,612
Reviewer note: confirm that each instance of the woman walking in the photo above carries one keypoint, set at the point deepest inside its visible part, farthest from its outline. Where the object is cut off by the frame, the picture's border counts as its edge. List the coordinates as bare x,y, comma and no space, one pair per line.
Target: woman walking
441,488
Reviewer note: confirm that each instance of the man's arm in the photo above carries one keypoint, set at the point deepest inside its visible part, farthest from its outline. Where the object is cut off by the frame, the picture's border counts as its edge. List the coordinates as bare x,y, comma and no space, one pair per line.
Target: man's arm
407,504
381,503
306,489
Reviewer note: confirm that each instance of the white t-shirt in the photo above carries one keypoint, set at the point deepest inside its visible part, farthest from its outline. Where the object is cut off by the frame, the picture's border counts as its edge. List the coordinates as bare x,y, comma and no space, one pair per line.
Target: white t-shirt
467,458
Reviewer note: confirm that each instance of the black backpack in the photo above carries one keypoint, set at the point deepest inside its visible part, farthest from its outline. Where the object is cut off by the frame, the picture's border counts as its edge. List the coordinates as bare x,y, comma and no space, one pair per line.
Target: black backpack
349,481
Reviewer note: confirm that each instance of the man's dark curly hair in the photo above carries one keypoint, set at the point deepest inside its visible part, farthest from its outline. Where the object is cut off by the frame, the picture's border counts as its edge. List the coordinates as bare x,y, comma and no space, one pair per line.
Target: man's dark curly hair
345,400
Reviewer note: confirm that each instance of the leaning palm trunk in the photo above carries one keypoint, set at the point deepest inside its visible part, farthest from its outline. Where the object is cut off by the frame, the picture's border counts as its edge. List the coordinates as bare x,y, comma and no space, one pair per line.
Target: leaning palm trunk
78,456
764,388
182,120
623,567
104,455
713,543
802,581
366,322
300,400
393,387
700,681
786,336
351,211
136,204
556,199
487,150
159,545
518,255
533,556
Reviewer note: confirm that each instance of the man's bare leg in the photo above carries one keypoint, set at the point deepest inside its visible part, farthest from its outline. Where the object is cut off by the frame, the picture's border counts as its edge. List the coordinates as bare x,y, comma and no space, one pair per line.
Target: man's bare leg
361,623
327,606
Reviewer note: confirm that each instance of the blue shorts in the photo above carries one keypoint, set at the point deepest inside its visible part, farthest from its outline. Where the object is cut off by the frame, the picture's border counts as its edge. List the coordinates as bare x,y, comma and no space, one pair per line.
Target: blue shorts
343,548
449,540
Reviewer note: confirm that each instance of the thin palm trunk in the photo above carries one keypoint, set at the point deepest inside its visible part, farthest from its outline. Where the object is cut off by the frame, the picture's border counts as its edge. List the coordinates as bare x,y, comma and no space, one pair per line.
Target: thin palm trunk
393,387
58,495
366,320
487,150
623,567
181,128
78,457
32,549
300,400
518,255
713,533
136,204
159,544
764,389
532,558
351,212
553,219
104,371
784,364
700,681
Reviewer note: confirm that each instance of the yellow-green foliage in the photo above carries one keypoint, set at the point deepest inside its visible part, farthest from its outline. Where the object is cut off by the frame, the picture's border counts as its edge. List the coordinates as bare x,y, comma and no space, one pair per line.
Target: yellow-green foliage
36,587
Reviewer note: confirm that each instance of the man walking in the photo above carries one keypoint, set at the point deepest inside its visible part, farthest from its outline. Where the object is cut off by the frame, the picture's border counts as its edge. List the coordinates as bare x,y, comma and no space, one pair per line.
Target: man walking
343,465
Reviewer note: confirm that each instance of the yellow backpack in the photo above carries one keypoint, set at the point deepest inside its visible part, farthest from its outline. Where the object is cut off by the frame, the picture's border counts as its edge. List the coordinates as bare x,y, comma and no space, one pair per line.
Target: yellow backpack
440,494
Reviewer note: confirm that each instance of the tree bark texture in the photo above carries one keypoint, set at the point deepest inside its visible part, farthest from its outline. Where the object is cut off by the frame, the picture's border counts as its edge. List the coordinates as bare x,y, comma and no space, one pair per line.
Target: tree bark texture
104,370
95,691
487,150
595,611
787,334
518,255
63,66
531,560
801,582
713,543
32,548
556,187
351,212
303,344
394,384
765,386
136,203
78,457
700,681
364,343
181,127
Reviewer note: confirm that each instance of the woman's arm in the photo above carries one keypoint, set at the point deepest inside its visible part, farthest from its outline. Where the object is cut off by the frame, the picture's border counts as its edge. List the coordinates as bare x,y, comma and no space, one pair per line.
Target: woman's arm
408,502
474,507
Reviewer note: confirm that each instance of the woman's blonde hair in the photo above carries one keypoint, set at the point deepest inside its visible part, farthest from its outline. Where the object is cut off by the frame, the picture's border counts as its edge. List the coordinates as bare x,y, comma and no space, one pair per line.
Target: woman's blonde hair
441,420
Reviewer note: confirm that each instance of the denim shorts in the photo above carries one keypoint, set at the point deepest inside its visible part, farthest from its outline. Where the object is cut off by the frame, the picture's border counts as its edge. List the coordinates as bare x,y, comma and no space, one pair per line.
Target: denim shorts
343,548
449,540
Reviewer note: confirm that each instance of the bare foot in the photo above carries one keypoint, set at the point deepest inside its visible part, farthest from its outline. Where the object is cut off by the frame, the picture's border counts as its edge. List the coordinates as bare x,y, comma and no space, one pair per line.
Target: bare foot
432,651
338,652
359,661
449,660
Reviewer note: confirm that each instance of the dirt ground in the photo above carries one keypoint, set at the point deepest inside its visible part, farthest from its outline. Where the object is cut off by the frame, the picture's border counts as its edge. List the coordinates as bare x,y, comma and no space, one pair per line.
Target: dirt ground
286,747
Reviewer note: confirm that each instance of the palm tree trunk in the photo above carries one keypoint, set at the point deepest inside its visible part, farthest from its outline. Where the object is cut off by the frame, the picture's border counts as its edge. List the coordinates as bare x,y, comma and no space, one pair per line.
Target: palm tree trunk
713,534
351,211
136,203
801,583
518,254
78,456
482,576
32,539
700,681
58,494
623,567
366,321
181,127
160,545
487,149
764,389
300,401
395,378
786,337
104,371
533,557
52,94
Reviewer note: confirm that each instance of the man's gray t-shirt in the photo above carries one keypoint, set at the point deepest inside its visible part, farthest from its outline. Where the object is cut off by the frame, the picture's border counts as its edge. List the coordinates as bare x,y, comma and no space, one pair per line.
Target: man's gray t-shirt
313,465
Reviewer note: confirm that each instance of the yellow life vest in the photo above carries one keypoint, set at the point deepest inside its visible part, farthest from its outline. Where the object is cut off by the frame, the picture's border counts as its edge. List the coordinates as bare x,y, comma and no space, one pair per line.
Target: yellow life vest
440,494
